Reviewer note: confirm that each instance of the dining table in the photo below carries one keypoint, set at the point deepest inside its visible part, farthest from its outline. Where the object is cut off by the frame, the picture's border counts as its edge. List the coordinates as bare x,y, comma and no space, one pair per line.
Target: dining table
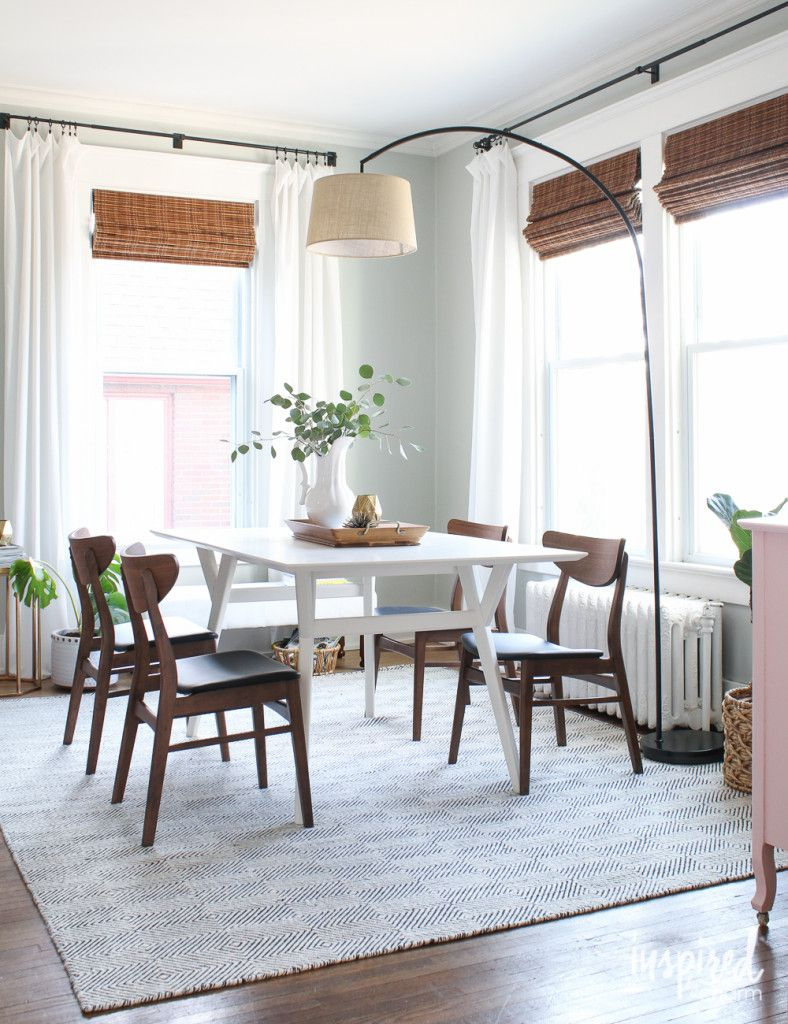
483,567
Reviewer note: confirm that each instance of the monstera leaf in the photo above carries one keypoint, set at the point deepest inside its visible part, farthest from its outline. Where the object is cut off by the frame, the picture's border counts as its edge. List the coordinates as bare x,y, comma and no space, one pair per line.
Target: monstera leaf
32,582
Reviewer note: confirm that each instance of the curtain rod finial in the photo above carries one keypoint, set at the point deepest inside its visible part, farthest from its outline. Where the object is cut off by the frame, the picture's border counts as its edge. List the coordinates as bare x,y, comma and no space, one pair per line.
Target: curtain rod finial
5,121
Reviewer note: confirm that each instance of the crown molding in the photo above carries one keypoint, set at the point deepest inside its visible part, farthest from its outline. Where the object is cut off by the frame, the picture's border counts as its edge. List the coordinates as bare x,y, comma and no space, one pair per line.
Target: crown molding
611,63
79,107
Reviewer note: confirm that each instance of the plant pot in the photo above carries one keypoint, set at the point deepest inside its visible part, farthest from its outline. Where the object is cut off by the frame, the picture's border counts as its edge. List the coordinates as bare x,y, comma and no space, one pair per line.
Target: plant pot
65,646
737,721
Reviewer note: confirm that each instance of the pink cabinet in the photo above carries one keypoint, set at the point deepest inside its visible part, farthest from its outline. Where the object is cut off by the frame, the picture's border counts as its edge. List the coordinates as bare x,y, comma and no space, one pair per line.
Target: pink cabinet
770,705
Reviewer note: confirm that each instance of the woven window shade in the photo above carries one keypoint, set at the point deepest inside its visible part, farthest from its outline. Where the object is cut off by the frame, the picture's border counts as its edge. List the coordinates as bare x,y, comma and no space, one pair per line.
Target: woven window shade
569,212
170,229
730,160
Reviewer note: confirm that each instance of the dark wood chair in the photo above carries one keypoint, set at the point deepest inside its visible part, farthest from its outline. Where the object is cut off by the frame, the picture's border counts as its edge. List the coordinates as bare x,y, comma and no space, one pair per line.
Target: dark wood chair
443,641
111,650
543,661
206,684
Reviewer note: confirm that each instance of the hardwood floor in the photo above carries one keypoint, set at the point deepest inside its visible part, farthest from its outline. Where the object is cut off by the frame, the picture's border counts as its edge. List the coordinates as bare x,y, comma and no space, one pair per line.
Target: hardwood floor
692,958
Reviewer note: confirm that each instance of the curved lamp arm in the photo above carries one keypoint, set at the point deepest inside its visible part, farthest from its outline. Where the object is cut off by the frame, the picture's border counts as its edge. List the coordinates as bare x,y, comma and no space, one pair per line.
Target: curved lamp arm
632,233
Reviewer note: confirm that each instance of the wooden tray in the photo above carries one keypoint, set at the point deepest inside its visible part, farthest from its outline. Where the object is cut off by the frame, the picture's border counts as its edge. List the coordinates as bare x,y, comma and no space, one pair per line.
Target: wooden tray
385,534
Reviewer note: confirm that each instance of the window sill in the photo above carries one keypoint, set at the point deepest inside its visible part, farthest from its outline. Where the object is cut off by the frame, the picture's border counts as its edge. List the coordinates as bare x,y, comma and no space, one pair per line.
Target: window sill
713,582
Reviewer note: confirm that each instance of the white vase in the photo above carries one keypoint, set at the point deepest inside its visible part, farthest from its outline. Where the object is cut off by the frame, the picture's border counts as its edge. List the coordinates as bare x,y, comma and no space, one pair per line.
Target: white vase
329,500
65,647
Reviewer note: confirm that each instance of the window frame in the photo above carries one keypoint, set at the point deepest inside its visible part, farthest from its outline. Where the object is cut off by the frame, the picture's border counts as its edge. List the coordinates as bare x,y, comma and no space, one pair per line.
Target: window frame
735,81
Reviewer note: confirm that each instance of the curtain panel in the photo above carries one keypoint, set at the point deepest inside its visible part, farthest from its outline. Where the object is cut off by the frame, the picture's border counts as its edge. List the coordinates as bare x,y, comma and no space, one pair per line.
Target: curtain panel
497,445
727,161
570,213
46,447
307,320
173,229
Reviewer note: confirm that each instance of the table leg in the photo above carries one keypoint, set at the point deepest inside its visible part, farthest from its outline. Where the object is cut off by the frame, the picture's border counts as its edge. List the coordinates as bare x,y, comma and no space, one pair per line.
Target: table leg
368,640
484,609
219,582
306,596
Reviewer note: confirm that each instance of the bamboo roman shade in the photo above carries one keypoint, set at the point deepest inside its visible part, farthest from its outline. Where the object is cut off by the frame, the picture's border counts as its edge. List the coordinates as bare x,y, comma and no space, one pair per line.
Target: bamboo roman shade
730,160
172,229
569,212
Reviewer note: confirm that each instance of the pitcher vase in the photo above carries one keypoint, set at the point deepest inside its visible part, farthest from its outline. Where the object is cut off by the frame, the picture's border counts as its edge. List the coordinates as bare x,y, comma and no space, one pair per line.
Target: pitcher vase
329,500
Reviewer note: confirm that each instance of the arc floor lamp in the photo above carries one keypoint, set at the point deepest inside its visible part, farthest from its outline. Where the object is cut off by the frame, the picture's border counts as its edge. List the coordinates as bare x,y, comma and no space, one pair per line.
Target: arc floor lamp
371,215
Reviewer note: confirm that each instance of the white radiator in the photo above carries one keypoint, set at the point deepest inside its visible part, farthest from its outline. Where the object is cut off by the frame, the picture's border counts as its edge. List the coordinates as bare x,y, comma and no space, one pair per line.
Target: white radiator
691,649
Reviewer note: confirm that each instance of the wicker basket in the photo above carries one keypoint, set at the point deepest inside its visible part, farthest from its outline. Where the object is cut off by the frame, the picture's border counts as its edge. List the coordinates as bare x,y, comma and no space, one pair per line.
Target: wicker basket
737,719
324,663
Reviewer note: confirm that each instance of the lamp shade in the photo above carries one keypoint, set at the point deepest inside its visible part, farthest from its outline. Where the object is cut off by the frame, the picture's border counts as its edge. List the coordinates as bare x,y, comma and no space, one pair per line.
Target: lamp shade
361,215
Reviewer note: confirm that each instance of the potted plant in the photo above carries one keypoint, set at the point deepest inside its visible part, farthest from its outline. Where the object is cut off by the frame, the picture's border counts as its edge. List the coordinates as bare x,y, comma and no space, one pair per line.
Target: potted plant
737,703
36,580
326,430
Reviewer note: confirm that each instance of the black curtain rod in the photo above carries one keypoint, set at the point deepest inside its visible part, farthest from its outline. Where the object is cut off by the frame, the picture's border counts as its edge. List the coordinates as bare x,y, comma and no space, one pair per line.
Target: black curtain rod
652,68
178,138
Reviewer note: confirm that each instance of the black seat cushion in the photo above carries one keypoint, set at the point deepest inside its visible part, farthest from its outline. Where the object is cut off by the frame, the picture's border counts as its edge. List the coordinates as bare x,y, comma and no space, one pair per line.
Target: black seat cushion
519,646
180,631
406,609
231,668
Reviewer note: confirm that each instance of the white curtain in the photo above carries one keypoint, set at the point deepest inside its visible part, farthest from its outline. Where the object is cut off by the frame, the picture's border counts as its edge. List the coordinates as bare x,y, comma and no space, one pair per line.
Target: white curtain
496,455
307,323
42,345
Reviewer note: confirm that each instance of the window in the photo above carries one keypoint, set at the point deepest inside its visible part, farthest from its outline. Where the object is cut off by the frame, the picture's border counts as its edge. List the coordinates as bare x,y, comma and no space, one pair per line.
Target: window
170,338
734,334
596,455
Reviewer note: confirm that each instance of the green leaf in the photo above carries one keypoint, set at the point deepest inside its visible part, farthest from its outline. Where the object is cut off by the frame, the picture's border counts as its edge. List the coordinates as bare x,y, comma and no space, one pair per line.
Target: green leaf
389,378
289,388
364,419
243,448
302,396
723,506
32,582
273,452
404,382
233,455
366,371
743,567
743,538
378,399
257,445
298,454
777,508
346,396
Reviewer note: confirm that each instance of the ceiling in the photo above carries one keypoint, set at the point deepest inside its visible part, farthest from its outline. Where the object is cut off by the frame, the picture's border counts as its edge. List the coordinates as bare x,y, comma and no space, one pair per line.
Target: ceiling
358,67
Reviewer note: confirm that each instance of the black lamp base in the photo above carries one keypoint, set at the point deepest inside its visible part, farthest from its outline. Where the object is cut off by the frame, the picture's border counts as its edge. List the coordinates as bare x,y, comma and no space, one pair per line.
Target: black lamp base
683,746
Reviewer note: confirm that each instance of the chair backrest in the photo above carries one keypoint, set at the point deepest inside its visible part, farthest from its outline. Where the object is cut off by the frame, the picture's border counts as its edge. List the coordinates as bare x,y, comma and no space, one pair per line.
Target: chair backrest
147,580
90,556
605,563
466,528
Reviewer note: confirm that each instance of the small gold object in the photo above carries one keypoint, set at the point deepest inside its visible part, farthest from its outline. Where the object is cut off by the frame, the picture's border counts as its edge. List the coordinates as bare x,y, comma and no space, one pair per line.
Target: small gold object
367,506
6,533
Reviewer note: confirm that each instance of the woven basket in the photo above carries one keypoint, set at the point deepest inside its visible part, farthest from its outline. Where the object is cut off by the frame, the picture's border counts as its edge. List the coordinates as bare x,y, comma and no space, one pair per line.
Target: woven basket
324,662
737,720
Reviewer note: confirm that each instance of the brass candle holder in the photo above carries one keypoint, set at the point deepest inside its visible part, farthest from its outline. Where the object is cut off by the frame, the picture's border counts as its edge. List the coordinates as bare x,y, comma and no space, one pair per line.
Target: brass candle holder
21,684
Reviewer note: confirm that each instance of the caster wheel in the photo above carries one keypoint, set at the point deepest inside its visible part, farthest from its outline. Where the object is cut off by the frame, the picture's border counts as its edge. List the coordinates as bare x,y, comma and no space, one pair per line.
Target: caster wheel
763,919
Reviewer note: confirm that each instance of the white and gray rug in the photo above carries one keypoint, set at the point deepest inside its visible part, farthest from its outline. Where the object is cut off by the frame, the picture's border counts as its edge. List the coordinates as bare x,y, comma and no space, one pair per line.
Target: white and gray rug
406,850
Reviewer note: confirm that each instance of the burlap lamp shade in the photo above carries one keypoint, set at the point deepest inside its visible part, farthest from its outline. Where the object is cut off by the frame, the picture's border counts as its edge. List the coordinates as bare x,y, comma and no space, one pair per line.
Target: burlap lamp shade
361,215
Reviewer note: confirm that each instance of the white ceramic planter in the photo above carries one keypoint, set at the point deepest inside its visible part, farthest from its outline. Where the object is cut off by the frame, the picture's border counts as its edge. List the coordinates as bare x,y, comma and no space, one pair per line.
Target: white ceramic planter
64,658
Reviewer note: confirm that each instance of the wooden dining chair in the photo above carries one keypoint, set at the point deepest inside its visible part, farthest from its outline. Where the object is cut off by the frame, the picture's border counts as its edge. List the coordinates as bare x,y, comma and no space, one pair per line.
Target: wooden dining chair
111,650
604,564
443,641
205,684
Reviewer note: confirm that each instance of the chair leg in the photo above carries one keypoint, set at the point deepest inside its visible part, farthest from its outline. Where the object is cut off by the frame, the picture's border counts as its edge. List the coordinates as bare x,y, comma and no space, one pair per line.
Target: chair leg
104,677
526,716
77,689
516,709
377,649
628,718
559,713
221,730
462,700
298,739
258,719
419,663
158,766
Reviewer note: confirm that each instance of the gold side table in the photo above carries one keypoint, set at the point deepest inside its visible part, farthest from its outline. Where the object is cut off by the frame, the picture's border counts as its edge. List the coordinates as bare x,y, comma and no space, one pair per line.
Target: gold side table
21,684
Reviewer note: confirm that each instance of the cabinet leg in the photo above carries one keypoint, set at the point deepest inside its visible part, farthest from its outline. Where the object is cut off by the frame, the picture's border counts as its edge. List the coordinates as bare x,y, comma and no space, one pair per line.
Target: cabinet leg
765,880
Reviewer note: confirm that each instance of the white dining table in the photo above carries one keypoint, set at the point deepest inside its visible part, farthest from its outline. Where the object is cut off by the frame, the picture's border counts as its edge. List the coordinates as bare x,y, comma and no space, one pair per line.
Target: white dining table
220,551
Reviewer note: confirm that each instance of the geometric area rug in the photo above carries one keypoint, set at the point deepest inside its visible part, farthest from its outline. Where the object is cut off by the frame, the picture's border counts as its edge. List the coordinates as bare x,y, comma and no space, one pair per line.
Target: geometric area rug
407,850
